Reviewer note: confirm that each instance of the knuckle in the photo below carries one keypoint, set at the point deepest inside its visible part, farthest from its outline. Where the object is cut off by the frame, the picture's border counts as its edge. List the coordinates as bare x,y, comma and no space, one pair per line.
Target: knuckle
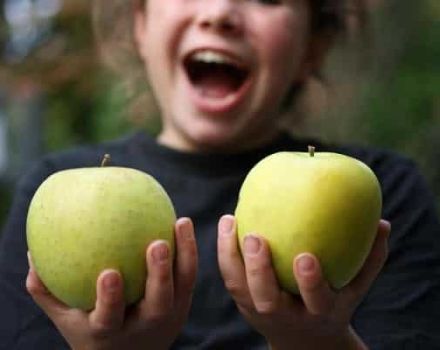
111,302
258,269
312,285
190,259
160,311
157,317
101,329
191,248
223,247
186,253
163,274
233,286
266,307
187,273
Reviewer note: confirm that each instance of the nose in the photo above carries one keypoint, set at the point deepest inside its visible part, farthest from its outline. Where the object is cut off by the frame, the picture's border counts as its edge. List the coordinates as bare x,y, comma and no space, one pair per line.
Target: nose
222,16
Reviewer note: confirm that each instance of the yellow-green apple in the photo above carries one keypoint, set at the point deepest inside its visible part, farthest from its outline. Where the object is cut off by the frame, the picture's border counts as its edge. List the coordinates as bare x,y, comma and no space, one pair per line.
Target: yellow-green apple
323,203
82,221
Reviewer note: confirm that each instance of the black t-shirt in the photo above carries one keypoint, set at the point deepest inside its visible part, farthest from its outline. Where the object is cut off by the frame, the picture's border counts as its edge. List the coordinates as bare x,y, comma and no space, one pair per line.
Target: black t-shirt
401,311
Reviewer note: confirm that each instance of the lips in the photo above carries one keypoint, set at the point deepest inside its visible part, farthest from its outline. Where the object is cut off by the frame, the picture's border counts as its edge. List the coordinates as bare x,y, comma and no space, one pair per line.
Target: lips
218,79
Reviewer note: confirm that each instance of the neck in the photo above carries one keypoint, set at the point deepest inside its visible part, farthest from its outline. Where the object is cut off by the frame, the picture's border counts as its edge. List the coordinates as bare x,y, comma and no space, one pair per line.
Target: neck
237,144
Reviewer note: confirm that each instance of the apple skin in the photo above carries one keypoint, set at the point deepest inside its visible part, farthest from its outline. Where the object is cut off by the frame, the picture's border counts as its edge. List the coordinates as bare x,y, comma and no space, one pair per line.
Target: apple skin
82,221
327,204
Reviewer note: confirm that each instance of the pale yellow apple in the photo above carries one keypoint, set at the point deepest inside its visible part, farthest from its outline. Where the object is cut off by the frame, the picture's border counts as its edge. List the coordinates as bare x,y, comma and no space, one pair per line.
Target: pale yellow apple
327,204
82,221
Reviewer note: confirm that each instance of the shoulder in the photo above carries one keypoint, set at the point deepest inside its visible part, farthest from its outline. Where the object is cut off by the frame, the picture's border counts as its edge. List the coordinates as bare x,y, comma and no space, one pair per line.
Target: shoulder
381,161
405,189
92,154
82,156
391,167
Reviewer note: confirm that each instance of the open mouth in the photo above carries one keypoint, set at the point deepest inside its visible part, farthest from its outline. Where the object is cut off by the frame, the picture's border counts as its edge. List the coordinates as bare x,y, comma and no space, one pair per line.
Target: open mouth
214,74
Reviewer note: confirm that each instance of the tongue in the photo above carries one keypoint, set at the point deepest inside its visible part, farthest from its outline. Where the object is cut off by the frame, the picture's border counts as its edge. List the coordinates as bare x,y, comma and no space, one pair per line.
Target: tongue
218,85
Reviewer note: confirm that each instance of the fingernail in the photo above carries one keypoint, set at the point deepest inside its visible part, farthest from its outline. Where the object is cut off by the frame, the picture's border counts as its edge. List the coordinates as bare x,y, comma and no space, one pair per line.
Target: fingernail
185,228
111,281
252,245
387,225
305,264
160,252
226,225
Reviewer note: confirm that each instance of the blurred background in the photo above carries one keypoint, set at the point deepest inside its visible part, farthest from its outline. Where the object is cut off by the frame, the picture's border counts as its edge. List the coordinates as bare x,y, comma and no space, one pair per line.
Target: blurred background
54,94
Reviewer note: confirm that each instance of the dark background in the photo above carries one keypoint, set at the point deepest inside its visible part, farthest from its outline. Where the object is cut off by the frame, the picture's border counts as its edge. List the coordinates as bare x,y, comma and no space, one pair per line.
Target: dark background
383,90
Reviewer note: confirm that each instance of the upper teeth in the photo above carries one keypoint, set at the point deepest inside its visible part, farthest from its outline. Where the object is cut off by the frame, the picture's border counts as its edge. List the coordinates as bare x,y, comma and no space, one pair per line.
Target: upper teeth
212,57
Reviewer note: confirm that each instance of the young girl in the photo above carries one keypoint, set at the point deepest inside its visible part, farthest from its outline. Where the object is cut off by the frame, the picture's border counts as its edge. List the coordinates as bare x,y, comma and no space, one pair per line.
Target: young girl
222,71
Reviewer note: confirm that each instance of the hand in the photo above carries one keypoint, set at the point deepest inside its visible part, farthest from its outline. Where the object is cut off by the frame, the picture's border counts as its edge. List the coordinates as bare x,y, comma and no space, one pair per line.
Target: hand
153,323
320,319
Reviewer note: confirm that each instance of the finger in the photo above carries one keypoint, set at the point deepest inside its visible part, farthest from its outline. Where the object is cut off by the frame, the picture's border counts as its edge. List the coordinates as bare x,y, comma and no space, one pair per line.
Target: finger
108,314
263,285
359,286
159,291
41,295
231,263
186,261
316,293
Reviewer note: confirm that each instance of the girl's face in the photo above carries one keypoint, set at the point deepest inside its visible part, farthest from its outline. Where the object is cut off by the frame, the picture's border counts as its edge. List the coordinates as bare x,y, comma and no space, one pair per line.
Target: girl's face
220,69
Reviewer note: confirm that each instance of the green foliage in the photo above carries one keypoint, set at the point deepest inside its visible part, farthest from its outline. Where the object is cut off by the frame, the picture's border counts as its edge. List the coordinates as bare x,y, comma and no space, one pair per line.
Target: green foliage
402,105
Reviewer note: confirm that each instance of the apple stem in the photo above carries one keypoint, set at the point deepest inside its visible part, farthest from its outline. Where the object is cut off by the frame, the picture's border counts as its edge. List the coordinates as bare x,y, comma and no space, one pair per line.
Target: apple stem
312,151
105,160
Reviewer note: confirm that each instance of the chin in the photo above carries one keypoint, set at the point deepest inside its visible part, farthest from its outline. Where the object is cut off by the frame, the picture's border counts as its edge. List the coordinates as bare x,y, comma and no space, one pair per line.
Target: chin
202,132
